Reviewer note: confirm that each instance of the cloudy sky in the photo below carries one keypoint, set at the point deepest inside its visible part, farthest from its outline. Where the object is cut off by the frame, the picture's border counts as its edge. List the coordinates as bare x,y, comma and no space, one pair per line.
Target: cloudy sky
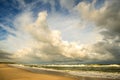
60,31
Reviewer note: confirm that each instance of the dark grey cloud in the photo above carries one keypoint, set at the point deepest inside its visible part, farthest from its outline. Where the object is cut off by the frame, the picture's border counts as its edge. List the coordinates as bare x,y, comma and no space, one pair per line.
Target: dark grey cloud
110,17
4,56
110,20
106,19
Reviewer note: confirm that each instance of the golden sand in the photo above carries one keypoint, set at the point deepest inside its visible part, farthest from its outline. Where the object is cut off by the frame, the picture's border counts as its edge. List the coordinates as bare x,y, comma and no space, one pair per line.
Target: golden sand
11,73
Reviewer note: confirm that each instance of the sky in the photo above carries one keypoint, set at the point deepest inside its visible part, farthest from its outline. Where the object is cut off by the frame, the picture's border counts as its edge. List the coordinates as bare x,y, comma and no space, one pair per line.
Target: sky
60,31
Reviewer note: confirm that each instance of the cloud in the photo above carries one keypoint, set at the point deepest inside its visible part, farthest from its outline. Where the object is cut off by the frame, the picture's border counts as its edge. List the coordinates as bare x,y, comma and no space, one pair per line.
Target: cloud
107,20
63,4
67,4
73,28
5,56
34,41
107,17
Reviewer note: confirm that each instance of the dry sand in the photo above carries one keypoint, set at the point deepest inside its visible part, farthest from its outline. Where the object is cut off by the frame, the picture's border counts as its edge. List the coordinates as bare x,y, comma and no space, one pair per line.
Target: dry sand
11,73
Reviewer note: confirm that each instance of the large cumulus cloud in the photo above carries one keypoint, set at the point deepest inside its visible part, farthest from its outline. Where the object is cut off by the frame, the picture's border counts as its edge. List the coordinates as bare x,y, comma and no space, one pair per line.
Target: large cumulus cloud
33,41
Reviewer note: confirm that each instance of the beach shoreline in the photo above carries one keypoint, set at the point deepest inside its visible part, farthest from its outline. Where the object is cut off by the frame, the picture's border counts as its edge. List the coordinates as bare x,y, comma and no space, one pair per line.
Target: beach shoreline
72,74
18,72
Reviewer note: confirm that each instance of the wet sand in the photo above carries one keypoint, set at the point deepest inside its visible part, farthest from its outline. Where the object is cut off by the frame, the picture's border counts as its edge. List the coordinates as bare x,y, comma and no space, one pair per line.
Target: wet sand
11,73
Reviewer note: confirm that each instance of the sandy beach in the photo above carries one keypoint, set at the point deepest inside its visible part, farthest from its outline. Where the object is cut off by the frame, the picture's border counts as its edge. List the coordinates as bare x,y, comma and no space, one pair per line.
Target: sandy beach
11,73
